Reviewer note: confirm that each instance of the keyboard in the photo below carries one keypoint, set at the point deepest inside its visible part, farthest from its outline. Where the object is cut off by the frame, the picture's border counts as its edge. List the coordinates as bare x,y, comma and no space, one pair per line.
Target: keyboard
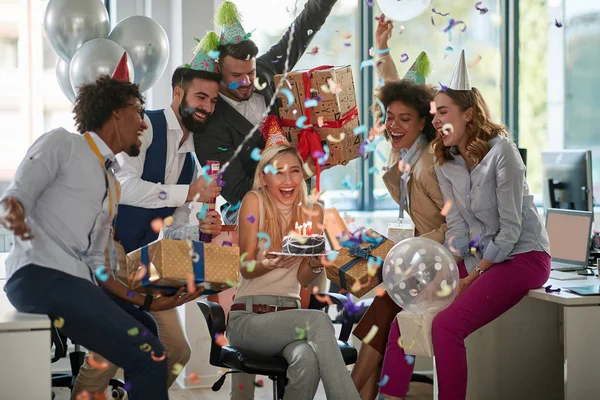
566,276
561,266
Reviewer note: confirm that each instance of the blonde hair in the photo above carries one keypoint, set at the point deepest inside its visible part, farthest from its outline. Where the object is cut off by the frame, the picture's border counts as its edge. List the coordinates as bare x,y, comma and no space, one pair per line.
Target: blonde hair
479,130
272,224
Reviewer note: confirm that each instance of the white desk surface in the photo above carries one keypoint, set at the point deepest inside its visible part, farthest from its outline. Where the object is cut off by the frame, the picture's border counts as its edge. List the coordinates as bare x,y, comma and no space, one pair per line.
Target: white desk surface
12,320
565,297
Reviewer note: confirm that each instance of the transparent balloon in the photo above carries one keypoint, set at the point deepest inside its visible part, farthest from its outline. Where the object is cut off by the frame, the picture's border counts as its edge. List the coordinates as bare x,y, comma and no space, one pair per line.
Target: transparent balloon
403,10
420,275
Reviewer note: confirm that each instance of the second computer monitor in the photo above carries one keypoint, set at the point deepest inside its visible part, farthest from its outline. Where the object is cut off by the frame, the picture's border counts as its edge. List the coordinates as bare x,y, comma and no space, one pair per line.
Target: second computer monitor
567,179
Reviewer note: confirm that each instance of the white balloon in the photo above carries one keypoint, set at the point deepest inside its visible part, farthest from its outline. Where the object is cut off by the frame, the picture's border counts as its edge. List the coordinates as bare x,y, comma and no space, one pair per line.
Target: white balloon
96,57
403,10
147,44
70,23
62,75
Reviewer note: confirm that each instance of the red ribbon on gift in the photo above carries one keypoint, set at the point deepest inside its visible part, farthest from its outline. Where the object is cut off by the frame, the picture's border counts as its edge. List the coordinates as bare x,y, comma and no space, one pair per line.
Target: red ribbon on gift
309,140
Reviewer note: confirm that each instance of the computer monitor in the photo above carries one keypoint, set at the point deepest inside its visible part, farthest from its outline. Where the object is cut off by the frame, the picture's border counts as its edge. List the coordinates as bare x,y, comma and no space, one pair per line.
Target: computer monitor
567,179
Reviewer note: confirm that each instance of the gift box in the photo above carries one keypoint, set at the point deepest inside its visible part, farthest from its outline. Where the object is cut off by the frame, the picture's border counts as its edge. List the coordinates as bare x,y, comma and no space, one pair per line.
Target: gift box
335,112
168,263
415,332
351,271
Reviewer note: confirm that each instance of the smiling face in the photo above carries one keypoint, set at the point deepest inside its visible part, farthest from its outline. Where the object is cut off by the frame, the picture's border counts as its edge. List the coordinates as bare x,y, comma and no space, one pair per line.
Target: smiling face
287,183
198,102
403,125
240,72
130,126
448,112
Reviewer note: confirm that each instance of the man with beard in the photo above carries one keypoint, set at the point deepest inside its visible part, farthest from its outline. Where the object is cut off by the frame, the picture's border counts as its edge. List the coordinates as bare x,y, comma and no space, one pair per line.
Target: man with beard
158,184
239,106
60,207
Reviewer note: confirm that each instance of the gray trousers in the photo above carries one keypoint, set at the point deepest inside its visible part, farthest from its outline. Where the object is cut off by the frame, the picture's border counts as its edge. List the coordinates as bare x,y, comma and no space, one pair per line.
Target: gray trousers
312,358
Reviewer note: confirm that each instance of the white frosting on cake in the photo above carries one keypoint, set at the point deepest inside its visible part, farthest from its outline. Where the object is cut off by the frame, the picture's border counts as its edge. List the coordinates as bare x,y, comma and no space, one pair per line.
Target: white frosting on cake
314,244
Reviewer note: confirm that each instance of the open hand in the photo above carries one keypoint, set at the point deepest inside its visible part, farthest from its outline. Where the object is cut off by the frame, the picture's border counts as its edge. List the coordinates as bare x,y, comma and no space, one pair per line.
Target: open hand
163,303
211,224
271,261
463,284
12,217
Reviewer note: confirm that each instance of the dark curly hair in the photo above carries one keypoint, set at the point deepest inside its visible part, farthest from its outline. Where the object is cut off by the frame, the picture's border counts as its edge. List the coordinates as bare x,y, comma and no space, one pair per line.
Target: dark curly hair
414,96
244,50
96,101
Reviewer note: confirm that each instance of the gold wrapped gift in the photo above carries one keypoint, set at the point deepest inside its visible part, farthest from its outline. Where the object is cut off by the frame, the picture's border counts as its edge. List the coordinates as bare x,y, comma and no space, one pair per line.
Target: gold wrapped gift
169,262
416,332
351,270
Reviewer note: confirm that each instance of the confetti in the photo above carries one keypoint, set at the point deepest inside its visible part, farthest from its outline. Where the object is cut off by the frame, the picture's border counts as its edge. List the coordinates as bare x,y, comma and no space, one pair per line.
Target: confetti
145,347
259,383
450,247
83,395
474,62
382,108
59,323
452,23
288,94
347,35
362,129
162,195
101,273
549,289
309,32
320,121
220,340
251,218
157,358
264,236
347,44
446,290
403,57
258,86
300,122
432,108
222,148
557,23
446,208
432,21
381,51
302,332
367,339
311,103
410,360
373,171
255,155
157,225
482,10
234,207
176,369
234,85
314,51
384,381
367,63
439,13
447,129
168,221
322,158
204,173
449,48
214,54
270,169
133,331
191,282
348,185
193,378
99,365
321,298
379,291
241,386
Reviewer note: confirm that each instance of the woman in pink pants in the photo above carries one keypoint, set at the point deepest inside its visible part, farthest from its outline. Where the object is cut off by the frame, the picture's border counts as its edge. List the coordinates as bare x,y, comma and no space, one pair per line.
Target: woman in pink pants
493,225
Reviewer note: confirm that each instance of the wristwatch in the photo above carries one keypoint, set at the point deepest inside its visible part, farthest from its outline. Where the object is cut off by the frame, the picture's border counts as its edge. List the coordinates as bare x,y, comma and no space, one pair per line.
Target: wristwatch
479,270
147,303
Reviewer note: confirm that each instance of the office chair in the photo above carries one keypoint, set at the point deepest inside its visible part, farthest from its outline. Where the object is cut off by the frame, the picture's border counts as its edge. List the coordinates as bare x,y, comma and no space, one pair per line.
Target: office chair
275,367
76,358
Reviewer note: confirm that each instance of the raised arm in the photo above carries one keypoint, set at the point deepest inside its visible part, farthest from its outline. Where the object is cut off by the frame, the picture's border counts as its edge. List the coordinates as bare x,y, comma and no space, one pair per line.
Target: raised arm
307,24
386,68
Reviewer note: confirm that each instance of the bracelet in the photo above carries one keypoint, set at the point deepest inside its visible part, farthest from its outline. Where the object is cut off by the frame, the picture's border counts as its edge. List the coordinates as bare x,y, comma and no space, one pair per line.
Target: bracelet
479,270
317,270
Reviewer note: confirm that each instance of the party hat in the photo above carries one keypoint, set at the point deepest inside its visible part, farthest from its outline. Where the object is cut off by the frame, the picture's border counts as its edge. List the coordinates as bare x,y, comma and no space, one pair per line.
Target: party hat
272,133
121,73
202,61
420,69
229,19
460,77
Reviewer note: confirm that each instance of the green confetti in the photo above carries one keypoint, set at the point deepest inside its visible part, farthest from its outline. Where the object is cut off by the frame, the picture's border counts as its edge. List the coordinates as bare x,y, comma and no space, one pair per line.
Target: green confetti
133,331
222,148
250,265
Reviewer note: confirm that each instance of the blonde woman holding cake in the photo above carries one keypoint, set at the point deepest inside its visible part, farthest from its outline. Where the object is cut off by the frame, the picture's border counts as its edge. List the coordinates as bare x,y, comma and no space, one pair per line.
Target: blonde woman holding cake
266,311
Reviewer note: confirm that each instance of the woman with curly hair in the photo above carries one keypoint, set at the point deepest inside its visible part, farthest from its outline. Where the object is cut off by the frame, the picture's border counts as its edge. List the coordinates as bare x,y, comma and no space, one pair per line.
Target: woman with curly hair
480,170
411,181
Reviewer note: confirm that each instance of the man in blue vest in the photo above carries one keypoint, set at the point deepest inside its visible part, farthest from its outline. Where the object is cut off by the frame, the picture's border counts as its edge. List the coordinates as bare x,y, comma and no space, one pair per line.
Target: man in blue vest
158,184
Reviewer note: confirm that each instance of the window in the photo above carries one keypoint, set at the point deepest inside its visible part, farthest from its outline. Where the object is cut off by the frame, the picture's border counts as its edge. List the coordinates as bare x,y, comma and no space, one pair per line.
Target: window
333,49
558,81
481,38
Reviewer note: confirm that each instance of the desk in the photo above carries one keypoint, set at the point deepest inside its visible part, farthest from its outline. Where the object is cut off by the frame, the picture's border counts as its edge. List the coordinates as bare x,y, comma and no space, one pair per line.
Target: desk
24,353
546,347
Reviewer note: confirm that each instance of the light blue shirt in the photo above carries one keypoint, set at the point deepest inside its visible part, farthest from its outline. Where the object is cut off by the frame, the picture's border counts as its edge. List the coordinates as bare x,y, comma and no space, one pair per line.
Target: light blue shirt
492,202
62,187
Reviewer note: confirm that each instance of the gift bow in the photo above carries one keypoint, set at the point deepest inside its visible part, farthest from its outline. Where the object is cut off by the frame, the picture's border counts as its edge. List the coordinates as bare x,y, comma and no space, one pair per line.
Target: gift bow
361,252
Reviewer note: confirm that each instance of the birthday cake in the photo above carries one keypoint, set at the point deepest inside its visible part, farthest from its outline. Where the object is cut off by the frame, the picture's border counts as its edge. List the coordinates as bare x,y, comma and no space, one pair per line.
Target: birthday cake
303,245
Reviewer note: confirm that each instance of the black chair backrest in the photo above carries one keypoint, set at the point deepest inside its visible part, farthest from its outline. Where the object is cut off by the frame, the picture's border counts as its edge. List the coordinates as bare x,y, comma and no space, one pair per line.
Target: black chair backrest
59,341
215,320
